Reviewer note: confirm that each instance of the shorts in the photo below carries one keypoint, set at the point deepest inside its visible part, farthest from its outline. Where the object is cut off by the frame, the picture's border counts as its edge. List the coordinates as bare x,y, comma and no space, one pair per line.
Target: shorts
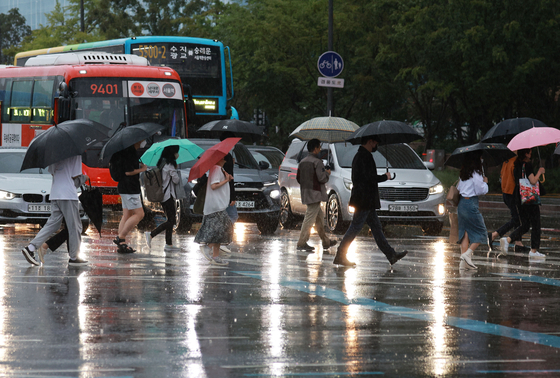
131,201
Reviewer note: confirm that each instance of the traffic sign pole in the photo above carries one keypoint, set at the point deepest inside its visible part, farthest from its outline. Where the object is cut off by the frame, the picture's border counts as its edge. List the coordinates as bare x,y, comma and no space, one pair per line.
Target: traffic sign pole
329,90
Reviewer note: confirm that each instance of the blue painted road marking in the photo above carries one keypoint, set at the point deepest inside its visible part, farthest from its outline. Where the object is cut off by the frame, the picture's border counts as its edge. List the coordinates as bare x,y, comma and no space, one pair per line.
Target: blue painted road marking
463,323
531,278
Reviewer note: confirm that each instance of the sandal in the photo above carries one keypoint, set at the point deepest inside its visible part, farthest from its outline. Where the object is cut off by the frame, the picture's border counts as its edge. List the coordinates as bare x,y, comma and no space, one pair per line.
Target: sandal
118,240
123,248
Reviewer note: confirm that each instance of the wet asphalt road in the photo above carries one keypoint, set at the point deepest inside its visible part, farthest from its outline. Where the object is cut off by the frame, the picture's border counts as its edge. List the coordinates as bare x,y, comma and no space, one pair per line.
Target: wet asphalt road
278,312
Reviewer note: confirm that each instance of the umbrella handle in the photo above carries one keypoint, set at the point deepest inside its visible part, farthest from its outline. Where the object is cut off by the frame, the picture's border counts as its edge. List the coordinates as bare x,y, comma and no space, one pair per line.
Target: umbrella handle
542,179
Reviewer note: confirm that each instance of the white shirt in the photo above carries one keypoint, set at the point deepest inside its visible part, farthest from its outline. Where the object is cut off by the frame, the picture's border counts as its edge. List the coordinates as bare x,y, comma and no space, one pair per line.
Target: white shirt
218,199
169,173
475,186
63,187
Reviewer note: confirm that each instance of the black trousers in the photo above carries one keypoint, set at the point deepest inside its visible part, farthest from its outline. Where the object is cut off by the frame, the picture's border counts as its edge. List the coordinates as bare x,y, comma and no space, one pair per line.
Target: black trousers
513,222
169,209
530,216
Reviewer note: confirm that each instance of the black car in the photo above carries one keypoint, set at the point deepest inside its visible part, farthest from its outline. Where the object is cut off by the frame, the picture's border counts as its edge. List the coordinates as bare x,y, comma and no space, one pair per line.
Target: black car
257,192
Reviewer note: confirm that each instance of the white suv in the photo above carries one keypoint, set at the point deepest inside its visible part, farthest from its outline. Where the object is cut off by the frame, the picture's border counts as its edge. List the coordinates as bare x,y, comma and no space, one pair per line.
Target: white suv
415,196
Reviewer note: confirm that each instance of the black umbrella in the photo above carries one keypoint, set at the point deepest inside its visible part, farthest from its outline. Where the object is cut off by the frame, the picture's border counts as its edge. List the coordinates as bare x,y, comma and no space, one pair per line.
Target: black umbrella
67,139
504,131
492,153
129,135
92,202
387,132
242,129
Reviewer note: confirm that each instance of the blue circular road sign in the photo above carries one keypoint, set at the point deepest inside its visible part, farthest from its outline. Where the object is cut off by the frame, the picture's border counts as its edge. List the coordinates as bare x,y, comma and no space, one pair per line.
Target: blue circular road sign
330,64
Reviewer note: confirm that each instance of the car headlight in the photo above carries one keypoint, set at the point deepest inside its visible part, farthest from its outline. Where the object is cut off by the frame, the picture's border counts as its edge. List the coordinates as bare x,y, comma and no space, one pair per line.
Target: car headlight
6,195
348,184
275,194
436,189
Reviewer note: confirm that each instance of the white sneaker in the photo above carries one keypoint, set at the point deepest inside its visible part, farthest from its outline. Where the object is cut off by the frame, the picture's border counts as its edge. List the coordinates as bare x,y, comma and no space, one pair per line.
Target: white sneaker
218,261
148,239
206,252
466,257
536,255
171,248
225,250
504,246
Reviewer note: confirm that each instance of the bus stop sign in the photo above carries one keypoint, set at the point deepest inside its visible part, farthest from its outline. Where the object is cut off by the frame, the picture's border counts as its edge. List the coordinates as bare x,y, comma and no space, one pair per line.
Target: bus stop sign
330,64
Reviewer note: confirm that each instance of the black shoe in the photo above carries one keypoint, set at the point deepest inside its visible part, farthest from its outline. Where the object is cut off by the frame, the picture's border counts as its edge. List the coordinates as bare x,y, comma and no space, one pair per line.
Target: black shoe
521,248
397,256
490,242
342,260
29,256
77,262
332,244
306,247
123,248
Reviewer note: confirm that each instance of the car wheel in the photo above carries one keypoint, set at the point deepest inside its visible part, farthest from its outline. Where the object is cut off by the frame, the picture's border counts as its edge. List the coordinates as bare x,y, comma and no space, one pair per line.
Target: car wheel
267,225
287,218
335,224
432,228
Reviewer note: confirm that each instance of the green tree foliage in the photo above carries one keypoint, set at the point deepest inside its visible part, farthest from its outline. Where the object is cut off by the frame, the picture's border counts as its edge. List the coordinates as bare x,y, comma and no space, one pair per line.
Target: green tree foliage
12,32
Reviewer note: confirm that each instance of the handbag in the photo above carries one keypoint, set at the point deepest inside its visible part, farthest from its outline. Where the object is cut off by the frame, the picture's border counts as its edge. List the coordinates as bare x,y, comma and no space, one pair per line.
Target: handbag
530,194
198,207
453,195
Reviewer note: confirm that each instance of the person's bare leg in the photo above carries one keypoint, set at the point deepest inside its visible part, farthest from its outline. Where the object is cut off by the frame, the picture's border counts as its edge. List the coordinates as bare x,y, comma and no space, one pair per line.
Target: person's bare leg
134,217
215,249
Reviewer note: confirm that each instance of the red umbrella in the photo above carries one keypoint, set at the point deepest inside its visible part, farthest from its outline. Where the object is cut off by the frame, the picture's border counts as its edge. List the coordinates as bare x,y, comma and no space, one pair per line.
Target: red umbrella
211,157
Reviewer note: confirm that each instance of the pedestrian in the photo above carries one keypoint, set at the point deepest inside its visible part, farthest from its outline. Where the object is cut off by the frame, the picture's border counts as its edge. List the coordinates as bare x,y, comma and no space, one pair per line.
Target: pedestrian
365,200
508,186
529,214
472,230
312,176
129,190
168,165
232,207
216,227
64,205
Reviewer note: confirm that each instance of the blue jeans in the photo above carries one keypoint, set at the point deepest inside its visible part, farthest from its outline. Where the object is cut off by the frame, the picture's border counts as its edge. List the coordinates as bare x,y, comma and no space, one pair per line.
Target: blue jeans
232,213
360,218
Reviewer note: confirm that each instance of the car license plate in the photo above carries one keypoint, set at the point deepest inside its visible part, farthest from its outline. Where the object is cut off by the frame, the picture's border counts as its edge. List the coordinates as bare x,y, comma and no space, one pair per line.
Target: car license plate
403,208
39,208
245,204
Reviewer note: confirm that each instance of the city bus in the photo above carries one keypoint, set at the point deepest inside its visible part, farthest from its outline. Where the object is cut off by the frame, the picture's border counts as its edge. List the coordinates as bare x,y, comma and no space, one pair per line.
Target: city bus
200,63
115,90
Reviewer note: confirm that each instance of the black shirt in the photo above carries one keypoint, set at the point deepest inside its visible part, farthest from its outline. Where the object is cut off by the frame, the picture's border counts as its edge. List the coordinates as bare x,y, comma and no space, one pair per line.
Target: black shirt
228,167
130,162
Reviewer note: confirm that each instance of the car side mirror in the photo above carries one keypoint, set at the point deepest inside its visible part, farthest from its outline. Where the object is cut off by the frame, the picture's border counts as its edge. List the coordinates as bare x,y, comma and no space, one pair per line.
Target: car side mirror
263,165
428,164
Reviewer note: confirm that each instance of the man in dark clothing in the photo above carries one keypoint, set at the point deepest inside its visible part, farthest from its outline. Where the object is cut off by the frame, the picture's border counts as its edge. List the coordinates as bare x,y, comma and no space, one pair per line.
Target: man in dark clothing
365,199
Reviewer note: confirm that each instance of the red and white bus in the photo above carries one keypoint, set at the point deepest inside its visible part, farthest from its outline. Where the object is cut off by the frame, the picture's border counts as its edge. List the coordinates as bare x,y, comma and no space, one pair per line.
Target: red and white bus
107,88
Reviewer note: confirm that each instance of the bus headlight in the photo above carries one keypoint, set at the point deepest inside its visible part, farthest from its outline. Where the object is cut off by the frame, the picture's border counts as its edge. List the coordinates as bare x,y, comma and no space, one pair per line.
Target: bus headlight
6,195
275,194
436,189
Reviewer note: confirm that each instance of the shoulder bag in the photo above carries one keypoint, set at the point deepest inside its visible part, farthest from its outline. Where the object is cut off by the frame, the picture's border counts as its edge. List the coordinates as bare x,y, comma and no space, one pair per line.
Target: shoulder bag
453,195
530,194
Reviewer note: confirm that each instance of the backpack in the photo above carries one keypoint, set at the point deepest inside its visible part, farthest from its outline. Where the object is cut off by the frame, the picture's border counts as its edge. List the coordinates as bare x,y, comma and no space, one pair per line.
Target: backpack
116,167
153,185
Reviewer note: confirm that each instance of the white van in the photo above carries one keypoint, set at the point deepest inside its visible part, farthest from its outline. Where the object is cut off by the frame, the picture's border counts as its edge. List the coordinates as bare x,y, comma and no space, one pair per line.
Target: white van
414,196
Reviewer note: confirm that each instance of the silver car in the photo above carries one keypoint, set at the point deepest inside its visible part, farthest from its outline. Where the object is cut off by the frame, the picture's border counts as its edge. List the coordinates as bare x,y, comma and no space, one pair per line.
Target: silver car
268,157
415,196
24,196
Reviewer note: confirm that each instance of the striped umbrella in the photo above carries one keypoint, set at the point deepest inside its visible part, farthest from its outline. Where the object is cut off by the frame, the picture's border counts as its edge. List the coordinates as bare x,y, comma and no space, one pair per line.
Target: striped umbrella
326,129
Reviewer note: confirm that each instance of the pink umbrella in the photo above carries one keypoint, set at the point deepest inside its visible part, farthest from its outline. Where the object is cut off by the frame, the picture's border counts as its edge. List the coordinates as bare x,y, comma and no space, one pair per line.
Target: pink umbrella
537,136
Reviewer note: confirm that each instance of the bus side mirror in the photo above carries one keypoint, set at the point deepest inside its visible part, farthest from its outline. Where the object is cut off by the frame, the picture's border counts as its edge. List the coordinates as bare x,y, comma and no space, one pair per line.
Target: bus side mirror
64,109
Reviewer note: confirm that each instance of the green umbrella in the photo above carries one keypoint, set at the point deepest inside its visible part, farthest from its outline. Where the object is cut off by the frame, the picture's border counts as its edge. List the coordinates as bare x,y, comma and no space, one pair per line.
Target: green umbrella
187,151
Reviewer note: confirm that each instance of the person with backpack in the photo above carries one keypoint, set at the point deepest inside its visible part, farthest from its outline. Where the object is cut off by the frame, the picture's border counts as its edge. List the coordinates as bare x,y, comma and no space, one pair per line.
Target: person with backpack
168,165
128,168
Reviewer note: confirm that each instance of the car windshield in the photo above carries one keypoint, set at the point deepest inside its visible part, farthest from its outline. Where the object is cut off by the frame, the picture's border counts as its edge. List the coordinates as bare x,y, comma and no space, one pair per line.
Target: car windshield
391,155
10,162
242,156
272,157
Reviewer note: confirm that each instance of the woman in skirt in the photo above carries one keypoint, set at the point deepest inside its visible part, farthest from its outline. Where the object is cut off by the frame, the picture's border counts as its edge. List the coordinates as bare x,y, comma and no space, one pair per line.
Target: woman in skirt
216,228
472,230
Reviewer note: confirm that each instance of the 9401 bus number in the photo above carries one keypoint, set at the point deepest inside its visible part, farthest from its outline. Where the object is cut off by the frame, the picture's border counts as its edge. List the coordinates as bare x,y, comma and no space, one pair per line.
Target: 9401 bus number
104,89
